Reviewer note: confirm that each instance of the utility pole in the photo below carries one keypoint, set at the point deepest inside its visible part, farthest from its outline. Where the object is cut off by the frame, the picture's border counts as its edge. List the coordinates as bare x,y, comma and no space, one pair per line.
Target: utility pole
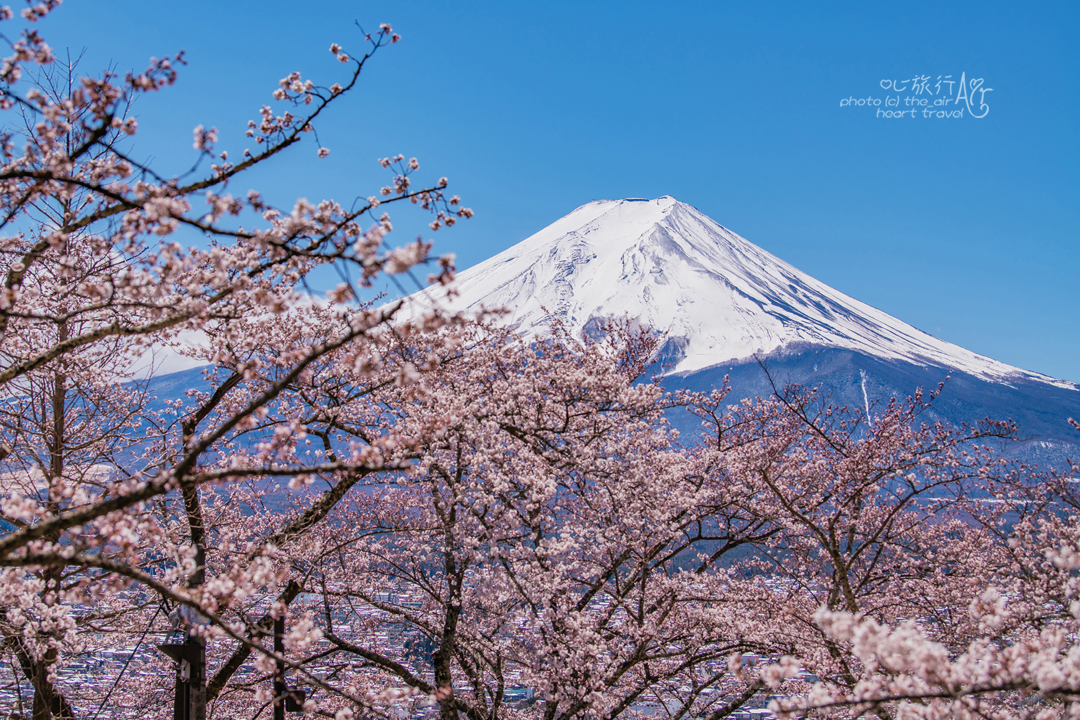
279,676
189,699
286,699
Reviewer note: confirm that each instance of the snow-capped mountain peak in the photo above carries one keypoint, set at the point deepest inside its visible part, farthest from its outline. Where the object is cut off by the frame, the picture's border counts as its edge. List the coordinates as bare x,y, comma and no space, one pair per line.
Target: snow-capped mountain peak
717,296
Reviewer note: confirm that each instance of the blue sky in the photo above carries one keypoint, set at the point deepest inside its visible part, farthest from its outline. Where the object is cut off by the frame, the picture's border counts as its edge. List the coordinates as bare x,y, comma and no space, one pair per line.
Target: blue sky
966,228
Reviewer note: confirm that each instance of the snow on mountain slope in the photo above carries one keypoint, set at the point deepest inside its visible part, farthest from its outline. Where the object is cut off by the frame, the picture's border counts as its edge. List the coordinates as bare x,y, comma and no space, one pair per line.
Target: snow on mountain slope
717,296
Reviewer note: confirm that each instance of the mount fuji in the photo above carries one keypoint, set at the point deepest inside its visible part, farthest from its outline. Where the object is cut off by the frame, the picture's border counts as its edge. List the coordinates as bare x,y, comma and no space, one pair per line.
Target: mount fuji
726,306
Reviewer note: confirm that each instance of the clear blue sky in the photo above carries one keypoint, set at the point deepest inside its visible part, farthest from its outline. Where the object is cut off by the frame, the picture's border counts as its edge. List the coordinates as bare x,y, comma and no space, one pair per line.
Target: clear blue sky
966,228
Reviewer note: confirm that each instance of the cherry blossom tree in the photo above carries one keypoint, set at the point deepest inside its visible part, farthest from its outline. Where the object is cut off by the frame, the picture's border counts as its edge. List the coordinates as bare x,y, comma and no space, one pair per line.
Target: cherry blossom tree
917,573
104,497
69,427
534,554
